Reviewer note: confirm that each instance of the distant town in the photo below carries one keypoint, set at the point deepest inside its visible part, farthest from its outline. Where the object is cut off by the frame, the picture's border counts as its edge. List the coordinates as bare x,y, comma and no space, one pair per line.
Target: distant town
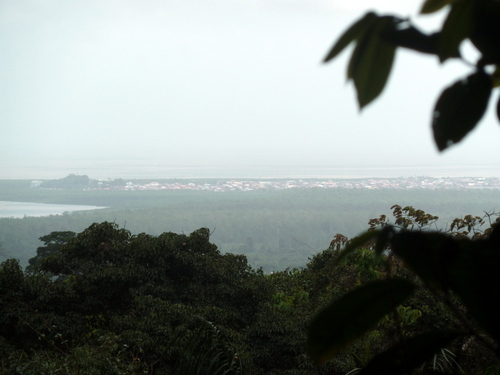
224,185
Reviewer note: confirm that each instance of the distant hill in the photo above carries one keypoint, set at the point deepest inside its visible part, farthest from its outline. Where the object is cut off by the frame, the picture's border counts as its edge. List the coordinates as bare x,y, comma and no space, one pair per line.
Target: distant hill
74,181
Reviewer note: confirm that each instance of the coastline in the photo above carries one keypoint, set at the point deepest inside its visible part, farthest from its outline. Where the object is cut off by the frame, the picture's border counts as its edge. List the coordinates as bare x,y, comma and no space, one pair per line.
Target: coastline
17,210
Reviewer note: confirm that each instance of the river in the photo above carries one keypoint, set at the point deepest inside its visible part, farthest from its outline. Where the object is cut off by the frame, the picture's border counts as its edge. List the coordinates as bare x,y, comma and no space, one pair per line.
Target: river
22,209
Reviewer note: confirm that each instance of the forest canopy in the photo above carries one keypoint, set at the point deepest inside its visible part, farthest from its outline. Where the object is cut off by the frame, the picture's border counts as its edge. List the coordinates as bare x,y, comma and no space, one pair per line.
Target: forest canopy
107,301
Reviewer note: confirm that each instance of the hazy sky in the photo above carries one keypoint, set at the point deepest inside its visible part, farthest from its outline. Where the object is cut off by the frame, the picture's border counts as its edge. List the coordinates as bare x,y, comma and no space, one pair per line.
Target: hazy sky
212,82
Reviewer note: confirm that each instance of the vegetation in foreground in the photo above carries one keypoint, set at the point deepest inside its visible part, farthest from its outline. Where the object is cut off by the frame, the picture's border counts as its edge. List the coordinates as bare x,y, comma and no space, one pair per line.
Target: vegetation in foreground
107,301
447,266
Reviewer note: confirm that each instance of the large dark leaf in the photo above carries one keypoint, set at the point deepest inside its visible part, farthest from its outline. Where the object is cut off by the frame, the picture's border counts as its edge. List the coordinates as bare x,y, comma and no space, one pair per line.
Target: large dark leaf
494,237
431,6
456,27
429,254
409,354
383,239
351,34
475,279
459,108
371,61
486,29
357,54
353,315
498,109
495,77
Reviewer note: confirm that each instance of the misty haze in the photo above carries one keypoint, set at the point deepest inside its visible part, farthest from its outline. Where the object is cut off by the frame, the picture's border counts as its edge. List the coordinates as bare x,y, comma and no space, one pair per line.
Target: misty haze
185,188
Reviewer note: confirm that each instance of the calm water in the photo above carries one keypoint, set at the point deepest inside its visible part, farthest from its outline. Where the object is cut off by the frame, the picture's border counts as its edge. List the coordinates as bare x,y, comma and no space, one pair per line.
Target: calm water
21,209
145,169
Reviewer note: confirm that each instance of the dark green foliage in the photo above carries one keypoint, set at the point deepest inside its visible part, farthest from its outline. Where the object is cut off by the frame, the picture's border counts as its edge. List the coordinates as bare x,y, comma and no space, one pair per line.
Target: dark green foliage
440,267
485,31
372,59
206,351
431,6
112,302
104,261
351,316
408,355
459,109
456,27
460,106
429,255
131,297
474,278
353,34
53,243
410,37
462,263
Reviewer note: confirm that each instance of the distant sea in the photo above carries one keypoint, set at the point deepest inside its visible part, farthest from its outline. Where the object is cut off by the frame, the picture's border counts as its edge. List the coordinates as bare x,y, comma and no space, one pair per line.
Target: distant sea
138,169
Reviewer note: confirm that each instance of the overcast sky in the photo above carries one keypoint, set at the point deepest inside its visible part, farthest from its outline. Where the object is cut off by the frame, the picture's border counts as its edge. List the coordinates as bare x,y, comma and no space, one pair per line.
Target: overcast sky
212,82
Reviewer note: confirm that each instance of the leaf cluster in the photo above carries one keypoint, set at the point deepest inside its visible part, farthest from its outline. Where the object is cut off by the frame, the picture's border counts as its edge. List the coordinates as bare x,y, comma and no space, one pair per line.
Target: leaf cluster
461,105
458,271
